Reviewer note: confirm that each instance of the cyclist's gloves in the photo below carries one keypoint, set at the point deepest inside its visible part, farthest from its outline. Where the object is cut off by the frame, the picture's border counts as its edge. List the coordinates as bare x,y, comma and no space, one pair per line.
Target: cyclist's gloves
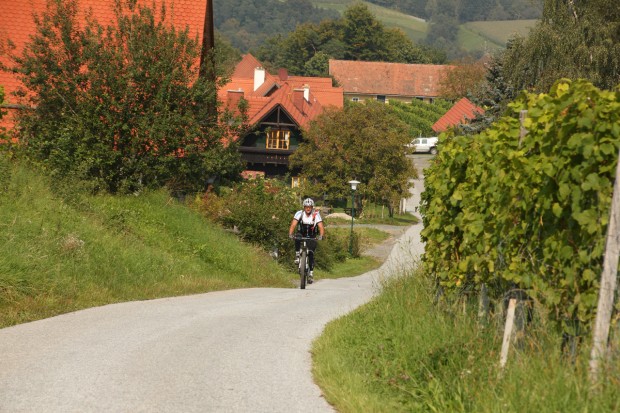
320,237
291,236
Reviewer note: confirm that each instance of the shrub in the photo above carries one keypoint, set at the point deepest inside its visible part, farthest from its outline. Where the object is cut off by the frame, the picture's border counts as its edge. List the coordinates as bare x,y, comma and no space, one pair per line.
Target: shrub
121,106
530,211
260,211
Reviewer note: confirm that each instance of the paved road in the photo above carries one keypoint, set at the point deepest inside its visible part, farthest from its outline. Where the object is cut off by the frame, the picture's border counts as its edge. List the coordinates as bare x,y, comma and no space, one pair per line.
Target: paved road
230,351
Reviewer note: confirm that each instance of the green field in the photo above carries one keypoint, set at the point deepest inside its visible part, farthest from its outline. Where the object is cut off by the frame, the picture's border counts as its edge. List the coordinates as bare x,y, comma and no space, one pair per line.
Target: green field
498,32
473,36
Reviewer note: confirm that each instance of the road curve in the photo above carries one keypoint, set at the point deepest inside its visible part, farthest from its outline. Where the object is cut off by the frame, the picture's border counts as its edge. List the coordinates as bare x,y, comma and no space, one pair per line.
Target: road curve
229,351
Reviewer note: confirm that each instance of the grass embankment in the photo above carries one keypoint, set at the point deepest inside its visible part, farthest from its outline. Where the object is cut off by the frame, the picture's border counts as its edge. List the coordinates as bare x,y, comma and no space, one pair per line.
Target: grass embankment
61,254
58,256
402,353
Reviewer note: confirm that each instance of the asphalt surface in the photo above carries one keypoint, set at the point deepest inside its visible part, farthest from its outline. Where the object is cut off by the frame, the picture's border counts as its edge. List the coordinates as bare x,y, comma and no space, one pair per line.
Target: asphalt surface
230,351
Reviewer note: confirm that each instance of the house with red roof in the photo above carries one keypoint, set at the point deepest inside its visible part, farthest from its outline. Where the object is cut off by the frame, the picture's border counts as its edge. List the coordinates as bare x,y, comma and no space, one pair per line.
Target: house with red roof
388,81
17,25
461,113
279,108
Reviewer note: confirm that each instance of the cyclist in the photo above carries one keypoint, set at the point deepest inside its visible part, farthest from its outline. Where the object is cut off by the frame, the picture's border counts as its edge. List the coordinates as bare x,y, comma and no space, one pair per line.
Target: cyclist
308,223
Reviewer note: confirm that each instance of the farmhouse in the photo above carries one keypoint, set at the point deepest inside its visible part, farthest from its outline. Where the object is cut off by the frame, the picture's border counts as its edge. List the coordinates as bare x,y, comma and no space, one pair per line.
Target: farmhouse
279,108
388,81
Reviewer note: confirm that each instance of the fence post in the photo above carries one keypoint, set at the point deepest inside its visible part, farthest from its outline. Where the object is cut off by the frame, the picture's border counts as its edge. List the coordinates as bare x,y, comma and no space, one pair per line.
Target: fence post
608,283
510,317
483,304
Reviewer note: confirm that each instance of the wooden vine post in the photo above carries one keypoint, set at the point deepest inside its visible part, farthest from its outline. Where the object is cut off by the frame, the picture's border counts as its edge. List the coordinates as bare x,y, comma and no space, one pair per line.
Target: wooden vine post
483,305
512,304
510,317
608,283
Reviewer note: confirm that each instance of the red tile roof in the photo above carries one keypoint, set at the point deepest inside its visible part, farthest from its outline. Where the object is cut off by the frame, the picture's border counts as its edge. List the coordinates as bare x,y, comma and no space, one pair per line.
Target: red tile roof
395,79
276,91
461,112
17,24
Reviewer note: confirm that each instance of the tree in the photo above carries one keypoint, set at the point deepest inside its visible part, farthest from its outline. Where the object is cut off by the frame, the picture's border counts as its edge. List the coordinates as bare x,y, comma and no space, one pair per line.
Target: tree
357,36
362,141
572,40
247,23
364,34
463,79
122,106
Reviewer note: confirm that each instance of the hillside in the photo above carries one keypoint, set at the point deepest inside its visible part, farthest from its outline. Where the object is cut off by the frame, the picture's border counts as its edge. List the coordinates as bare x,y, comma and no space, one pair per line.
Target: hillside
60,254
473,37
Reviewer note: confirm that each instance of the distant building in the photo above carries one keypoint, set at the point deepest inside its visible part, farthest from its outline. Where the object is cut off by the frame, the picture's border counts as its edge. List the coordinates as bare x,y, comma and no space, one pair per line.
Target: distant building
280,107
461,113
388,81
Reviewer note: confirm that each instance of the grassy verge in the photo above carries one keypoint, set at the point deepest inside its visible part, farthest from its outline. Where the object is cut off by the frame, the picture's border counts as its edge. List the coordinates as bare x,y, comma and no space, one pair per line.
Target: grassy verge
58,256
368,237
350,268
402,353
373,217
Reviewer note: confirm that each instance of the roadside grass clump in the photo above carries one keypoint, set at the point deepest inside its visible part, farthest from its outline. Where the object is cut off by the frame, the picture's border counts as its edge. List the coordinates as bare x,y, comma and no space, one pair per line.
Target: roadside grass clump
59,254
335,262
405,352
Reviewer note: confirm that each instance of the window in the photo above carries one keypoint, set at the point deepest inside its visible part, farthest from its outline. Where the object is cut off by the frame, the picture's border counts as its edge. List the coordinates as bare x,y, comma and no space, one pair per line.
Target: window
295,182
355,99
381,98
278,139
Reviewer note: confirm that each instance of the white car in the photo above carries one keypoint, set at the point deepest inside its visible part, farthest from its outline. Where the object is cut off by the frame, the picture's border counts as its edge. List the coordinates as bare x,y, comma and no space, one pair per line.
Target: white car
425,145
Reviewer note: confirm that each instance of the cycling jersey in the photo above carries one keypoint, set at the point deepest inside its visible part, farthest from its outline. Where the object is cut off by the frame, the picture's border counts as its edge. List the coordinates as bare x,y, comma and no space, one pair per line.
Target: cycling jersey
308,224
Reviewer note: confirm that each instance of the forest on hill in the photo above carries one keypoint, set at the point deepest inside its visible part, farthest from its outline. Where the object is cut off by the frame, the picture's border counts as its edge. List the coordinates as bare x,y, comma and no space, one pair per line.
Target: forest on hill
249,24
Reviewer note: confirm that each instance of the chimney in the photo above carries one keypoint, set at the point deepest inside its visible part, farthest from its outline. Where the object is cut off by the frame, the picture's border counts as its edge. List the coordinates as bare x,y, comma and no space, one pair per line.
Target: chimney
298,99
283,74
232,98
306,92
259,77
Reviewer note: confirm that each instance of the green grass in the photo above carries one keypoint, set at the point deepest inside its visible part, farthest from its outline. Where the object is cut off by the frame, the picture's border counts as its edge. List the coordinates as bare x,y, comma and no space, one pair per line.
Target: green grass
499,32
58,256
374,215
355,266
350,268
402,353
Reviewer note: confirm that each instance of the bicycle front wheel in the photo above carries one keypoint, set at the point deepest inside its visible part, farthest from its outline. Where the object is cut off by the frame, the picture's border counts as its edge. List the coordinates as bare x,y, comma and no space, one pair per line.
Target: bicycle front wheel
303,269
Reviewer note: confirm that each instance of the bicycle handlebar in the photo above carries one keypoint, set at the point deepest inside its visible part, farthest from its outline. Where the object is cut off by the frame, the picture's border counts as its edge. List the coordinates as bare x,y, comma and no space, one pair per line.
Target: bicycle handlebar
298,238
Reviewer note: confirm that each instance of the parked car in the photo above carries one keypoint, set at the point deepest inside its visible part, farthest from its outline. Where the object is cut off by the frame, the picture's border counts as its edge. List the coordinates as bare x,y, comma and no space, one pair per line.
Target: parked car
425,145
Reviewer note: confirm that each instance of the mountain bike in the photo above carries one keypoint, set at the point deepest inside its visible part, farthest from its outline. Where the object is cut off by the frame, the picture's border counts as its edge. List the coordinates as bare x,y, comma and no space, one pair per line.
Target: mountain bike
304,260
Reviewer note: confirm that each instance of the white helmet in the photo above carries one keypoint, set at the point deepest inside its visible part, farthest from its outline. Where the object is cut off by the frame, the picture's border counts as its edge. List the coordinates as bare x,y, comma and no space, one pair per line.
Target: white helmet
308,202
